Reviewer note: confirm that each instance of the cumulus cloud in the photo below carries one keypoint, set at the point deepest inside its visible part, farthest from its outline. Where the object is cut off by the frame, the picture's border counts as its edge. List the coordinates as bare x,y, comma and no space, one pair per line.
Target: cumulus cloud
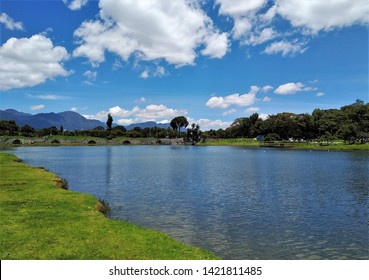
10,23
290,88
263,116
266,88
170,30
241,100
136,114
207,124
37,107
30,61
75,4
253,21
315,16
217,45
320,94
266,99
243,14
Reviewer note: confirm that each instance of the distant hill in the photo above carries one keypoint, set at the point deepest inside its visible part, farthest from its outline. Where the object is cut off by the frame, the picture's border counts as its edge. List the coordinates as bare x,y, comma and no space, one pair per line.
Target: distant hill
69,120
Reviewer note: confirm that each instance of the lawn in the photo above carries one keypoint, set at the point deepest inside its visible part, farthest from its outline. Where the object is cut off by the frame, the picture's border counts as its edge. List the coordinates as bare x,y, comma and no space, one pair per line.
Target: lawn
40,220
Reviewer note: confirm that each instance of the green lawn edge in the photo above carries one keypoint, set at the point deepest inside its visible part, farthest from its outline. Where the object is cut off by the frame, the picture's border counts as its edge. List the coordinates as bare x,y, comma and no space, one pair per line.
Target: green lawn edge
41,221
244,142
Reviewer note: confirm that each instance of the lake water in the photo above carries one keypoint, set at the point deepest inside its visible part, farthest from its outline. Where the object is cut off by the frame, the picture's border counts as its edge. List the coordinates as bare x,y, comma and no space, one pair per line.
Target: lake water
240,203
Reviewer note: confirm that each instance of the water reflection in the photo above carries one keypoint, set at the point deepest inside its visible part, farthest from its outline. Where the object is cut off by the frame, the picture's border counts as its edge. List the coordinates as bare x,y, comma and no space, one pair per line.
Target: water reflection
239,203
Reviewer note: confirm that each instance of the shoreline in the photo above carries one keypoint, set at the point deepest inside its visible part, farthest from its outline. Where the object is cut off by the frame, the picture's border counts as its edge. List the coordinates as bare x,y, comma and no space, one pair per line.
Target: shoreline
41,220
124,141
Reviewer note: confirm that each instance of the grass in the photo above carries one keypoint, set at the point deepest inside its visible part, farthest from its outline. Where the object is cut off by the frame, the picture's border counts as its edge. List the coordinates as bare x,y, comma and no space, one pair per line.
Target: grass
339,145
40,220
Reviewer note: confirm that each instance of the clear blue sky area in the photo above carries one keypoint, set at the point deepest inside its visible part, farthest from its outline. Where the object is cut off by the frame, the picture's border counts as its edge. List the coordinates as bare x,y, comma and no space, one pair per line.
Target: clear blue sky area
211,61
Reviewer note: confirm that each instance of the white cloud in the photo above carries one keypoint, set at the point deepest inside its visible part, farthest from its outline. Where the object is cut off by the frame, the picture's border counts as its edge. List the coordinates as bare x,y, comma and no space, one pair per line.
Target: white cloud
263,36
10,23
253,20
125,121
216,102
243,14
241,100
266,99
289,88
326,15
207,124
136,114
319,94
151,30
157,71
144,74
286,47
30,61
91,75
252,110
74,109
263,116
75,4
48,96
217,45
266,88
229,112
37,107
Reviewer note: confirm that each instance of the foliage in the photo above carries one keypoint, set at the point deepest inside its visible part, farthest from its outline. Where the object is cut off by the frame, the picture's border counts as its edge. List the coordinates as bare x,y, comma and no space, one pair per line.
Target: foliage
8,128
349,123
194,133
109,122
179,122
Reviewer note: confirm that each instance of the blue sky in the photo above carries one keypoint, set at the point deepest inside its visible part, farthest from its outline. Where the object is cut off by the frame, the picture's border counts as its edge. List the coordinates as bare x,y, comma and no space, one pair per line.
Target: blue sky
211,61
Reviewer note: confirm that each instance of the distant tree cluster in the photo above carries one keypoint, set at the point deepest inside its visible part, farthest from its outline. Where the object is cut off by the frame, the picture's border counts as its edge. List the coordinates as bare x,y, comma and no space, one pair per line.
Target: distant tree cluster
349,123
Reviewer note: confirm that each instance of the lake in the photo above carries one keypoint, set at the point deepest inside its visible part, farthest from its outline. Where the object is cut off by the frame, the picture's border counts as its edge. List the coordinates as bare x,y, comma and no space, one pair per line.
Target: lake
240,203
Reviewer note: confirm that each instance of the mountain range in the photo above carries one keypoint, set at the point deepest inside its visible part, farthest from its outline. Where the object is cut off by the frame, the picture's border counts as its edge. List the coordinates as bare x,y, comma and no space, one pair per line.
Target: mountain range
69,120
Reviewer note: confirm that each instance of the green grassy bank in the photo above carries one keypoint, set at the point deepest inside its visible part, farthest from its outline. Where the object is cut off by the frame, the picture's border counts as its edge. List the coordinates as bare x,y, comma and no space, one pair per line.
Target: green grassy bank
339,145
40,220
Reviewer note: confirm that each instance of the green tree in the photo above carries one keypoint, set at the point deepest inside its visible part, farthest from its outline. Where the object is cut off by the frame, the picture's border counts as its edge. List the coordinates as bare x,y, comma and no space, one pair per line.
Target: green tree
109,122
28,131
179,122
194,133
8,128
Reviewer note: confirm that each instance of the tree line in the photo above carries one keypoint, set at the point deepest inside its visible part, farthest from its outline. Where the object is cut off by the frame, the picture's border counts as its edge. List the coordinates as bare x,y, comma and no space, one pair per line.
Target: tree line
349,123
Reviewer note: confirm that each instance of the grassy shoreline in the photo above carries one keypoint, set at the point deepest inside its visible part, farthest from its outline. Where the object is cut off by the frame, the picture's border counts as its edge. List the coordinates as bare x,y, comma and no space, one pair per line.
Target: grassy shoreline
244,142
338,146
40,220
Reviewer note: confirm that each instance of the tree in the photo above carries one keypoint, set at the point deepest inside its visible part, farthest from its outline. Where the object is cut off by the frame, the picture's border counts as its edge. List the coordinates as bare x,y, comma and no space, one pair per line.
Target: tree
8,128
28,131
109,122
194,133
179,122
